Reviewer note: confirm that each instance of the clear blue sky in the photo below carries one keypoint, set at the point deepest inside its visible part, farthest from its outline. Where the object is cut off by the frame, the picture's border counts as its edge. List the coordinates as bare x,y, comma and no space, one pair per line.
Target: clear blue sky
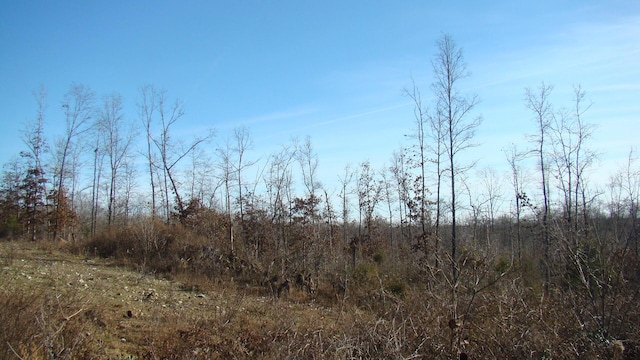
334,70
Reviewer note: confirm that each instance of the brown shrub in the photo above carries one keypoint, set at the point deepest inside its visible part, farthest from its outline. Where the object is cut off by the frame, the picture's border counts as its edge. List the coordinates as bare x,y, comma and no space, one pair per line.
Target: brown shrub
35,324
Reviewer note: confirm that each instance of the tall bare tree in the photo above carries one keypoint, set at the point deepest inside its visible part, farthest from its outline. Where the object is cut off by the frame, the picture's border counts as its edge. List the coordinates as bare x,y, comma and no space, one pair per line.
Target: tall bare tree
227,174
147,108
278,179
200,175
78,105
421,131
572,157
308,159
369,195
171,152
401,177
519,197
492,185
242,143
538,102
625,202
387,191
98,162
455,111
116,143
345,192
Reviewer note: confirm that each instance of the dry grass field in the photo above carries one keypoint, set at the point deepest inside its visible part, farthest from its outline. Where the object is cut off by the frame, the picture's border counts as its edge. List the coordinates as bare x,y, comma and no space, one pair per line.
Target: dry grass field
59,305
54,303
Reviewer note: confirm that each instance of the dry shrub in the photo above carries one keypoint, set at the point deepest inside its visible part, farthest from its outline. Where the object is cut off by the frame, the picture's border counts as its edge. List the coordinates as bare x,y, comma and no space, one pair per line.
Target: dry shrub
388,306
34,324
148,246
18,310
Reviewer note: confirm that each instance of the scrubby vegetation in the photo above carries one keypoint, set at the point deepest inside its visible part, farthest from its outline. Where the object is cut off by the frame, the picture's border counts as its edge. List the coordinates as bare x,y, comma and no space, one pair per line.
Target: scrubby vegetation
205,263
391,306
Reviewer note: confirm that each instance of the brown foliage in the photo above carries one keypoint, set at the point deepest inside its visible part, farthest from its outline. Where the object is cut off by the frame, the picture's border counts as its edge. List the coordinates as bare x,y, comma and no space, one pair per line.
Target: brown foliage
265,303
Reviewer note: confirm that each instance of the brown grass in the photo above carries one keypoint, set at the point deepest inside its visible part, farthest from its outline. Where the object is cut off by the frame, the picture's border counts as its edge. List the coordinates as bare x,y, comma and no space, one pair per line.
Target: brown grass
57,305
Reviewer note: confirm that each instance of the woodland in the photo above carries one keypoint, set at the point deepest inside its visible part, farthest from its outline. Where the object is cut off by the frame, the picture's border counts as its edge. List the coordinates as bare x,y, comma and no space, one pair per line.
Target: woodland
533,263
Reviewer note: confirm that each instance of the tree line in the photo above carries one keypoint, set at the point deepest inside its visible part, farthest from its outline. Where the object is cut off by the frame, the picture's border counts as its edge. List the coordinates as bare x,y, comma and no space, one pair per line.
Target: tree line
424,208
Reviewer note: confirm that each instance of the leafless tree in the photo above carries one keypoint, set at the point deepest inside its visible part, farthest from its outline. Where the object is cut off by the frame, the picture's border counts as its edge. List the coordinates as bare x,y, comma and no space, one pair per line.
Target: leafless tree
200,175
625,202
171,152
116,142
226,178
572,157
401,178
538,102
78,105
308,159
278,180
455,111
369,195
128,186
242,143
476,209
98,162
345,192
514,157
492,186
387,193
421,135
147,107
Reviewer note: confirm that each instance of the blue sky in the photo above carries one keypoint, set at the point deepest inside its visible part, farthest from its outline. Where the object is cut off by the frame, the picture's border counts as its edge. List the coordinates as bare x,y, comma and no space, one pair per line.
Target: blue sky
333,70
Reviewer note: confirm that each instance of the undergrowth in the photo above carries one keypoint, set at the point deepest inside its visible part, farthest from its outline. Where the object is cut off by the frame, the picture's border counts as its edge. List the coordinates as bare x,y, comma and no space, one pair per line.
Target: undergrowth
376,309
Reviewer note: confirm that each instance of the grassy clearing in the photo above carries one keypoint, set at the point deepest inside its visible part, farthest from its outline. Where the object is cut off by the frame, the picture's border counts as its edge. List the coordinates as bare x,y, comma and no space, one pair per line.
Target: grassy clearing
58,305
90,308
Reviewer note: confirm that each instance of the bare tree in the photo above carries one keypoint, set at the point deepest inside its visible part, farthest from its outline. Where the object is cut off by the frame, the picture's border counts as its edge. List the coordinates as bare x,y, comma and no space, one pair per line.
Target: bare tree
454,109
242,143
116,142
309,165
226,178
387,191
401,177
77,160
514,157
492,185
538,102
200,175
278,180
345,191
625,184
78,105
147,107
98,162
308,160
171,152
421,121
164,145
475,208
369,195
572,158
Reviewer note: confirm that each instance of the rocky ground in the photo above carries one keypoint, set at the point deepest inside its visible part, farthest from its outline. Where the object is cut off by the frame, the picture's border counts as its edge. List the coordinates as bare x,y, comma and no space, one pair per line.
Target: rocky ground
119,313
